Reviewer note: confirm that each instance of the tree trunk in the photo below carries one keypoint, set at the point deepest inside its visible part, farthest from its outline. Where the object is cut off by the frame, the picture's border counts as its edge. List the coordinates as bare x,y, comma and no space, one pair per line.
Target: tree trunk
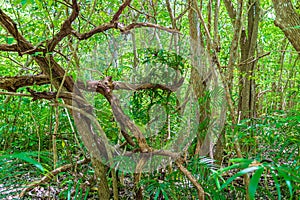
288,20
84,125
199,73
236,16
248,42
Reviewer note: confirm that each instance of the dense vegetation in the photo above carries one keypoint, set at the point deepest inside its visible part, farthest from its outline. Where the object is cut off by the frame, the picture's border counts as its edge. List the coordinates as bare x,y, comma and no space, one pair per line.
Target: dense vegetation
149,99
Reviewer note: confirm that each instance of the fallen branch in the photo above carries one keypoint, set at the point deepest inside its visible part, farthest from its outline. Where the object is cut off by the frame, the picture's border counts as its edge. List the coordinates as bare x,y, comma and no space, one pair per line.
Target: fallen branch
52,174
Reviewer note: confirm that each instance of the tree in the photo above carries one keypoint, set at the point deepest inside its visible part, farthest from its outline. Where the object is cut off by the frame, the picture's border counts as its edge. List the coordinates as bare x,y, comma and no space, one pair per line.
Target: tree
48,57
288,20
140,90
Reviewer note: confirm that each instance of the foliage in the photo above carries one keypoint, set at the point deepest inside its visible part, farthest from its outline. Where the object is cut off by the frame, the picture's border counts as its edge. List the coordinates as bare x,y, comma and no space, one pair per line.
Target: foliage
16,166
278,174
269,140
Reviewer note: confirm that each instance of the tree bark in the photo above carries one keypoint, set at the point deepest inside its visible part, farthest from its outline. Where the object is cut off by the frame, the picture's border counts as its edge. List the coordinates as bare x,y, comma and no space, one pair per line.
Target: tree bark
199,72
237,19
288,20
248,43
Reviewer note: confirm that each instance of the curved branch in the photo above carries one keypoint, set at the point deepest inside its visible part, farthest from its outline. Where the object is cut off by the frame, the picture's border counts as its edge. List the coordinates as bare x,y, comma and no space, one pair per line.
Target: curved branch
66,27
188,174
288,20
114,24
16,82
11,27
123,29
98,29
106,87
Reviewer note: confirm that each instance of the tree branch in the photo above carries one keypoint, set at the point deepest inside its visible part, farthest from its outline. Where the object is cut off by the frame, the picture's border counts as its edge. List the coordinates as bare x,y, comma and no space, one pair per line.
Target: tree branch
105,87
235,40
144,86
98,29
251,60
194,181
146,24
66,27
120,10
11,27
9,47
230,9
15,94
13,83
116,25
183,12
288,20
51,174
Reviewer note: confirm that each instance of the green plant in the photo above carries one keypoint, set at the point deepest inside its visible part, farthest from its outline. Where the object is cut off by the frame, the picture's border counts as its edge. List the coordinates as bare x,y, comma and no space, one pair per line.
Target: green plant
280,174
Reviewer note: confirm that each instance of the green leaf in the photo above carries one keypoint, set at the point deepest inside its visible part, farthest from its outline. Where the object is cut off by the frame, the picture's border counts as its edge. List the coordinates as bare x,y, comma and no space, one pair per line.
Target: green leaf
37,53
157,193
240,160
77,189
165,194
10,40
254,182
287,175
217,183
290,186
235,166
240,173
277,184
24,2
70,184
26,158
86,193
